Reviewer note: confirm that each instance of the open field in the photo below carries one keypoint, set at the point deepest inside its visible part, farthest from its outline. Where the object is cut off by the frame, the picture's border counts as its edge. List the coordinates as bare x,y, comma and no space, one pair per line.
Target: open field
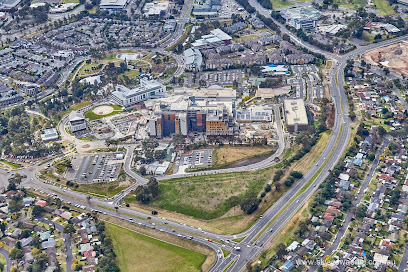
351,4
246,38
95,113
106,189
383,7
280,4
225,155
136,252
209,197
69,1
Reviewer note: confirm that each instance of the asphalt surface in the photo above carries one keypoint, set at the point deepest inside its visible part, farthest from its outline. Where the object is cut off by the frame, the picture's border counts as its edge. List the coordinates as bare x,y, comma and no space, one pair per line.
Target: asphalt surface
5,253
67,243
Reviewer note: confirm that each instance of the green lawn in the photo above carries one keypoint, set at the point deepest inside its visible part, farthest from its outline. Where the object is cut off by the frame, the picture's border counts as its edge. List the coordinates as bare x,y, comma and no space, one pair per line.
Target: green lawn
136,252
280,4
130,74
352,4
383,7
12,165
246,38
93,116
69,1
101,189
71,108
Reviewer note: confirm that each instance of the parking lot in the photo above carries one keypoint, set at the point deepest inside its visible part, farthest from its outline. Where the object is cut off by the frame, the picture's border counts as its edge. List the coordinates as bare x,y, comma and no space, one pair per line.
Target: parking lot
198,158
319,91
215,78
299,85
304,69
94,168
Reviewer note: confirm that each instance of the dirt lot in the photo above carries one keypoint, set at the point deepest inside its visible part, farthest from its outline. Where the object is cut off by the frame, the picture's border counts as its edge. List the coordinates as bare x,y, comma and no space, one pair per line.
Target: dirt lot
394,57
229,154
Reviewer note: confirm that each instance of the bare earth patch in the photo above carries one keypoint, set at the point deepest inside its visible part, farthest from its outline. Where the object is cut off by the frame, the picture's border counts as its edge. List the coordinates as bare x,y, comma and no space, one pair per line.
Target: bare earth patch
103,110
393,57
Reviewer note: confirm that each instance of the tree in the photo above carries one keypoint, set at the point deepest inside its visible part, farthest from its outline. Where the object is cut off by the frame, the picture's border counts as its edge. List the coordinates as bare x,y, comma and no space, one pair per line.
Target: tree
15,206
69,228
37,211
280,250
278,186
381,131
296,174
250,205
361,211
142,170
178,139
36,241
16,254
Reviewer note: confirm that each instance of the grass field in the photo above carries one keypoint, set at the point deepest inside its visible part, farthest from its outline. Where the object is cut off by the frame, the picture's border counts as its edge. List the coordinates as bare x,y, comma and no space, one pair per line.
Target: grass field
383,7
352,4
207,197
69,1
246,38
86,69
310,158
93,116
137,252
71,108
103,189
228,154
281,4
12,165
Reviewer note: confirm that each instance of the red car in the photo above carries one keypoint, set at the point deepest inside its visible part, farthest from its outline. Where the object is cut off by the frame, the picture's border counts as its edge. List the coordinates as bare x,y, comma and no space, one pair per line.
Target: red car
209,240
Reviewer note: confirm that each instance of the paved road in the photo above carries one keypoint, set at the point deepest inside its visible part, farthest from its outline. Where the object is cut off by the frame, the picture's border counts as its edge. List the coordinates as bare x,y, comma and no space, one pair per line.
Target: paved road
67,243
5,253
403,264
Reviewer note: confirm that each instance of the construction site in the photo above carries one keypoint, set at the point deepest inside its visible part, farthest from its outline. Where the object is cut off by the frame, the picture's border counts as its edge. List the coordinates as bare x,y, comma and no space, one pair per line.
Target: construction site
393,57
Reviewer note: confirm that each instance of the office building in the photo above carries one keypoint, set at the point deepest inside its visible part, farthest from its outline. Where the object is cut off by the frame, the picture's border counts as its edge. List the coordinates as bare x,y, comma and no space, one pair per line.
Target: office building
301,17
113,4
155,9
49,134
77,121
206,8
147,89
193,59
216,38
295,115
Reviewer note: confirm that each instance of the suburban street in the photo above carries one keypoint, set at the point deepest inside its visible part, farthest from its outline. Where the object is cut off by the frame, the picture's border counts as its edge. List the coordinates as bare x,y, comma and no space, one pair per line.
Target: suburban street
355,202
